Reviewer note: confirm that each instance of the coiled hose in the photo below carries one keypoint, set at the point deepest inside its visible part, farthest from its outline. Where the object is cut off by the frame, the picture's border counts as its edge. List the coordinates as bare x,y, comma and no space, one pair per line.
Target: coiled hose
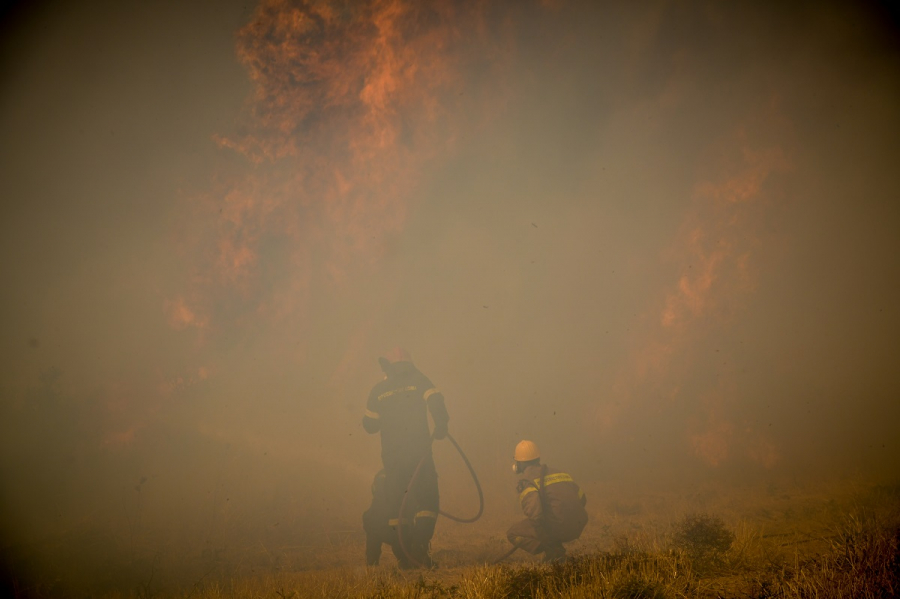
412,482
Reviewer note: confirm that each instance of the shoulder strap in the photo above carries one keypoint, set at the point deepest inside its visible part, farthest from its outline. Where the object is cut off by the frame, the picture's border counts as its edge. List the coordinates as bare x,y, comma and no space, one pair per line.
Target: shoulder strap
541,490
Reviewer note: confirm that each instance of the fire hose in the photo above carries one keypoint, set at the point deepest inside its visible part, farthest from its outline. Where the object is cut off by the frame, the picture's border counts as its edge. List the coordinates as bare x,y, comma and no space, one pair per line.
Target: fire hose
474,518
505,555
412,482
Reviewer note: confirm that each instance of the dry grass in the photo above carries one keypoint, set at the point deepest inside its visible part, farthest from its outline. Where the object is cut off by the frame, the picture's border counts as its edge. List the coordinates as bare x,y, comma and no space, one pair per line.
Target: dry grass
769,544
862,561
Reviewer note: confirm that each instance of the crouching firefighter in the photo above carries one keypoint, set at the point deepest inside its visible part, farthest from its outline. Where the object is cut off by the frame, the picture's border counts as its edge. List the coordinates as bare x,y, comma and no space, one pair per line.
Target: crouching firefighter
398,408
553,506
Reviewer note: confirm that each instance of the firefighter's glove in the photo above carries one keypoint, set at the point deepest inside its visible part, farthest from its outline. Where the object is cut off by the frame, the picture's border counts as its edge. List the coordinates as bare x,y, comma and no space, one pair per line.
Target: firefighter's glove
440,431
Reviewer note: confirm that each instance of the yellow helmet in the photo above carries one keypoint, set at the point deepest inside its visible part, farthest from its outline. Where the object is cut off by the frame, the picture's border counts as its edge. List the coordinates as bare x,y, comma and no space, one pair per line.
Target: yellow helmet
526,451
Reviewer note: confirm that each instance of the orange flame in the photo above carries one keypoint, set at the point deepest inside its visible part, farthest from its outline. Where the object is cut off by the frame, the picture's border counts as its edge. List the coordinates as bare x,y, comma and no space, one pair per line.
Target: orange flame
181,316
717,246
350,104
714,256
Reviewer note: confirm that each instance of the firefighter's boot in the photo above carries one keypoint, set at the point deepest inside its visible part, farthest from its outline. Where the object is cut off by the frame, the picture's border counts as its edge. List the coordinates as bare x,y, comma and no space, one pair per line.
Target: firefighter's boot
554,553
406,548
373,550
424,530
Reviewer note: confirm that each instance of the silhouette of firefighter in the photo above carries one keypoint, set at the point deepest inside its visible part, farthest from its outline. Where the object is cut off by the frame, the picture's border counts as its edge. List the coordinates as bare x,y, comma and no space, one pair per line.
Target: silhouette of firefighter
553,505
398,408
375,524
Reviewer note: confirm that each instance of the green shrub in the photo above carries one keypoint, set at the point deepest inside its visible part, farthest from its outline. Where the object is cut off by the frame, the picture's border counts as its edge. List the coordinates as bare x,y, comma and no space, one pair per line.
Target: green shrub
703,537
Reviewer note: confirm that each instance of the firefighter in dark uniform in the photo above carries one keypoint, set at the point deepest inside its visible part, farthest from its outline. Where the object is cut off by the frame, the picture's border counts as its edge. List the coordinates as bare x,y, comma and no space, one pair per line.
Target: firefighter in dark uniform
398,408
553,506
375,524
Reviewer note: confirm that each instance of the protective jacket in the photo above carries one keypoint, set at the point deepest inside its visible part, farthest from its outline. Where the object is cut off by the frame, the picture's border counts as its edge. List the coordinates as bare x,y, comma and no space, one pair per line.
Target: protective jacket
398,407
551,499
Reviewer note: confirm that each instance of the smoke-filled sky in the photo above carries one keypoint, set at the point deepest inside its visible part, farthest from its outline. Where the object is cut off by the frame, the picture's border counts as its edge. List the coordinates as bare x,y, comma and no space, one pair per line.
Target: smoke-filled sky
652,237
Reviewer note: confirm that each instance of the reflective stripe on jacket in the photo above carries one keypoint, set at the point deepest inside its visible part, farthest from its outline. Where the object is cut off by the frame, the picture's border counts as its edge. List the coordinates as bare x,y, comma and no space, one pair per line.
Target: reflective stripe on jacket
559,505
398,407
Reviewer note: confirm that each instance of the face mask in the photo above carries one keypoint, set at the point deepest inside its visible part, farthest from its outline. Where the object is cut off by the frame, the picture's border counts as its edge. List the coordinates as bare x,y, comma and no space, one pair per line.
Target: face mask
515,468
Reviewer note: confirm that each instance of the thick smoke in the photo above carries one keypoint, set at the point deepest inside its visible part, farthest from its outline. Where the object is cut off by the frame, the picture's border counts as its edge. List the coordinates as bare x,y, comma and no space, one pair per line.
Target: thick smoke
658,240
